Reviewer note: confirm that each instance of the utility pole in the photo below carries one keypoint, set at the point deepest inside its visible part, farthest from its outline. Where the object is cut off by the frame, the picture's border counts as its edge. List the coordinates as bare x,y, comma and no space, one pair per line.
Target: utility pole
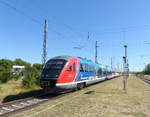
111,62
112,68
88,35
125,70
44,54
96,46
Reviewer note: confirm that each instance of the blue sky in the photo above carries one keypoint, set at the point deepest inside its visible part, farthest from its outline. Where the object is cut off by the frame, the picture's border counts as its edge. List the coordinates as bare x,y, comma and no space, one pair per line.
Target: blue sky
112,22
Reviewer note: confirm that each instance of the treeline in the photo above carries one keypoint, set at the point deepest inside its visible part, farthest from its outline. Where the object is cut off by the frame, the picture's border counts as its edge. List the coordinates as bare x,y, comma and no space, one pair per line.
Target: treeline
146,71
29,76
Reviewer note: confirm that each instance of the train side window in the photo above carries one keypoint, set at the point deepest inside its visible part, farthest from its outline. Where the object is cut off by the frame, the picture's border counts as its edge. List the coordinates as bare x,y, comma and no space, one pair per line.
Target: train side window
91,69
86,68
99,72
70,69
81,68
74,67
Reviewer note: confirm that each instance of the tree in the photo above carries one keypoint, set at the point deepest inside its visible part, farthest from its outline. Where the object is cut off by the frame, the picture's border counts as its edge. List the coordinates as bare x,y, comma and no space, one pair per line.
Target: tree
37,66
21,62
6,76
5,70
5,64
147,69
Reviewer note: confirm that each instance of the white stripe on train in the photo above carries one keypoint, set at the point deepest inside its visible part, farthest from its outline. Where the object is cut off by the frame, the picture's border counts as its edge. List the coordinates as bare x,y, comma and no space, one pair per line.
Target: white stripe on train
88,82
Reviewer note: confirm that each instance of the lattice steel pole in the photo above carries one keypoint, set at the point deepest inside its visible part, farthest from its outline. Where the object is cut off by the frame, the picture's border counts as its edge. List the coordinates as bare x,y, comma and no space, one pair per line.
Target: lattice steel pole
44,54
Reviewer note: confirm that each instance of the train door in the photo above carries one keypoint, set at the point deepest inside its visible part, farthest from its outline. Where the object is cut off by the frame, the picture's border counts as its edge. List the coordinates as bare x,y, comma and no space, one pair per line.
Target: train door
71,71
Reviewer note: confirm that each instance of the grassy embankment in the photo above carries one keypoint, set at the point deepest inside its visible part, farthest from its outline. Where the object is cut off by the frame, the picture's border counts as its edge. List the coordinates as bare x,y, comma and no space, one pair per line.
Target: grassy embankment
13,90
106,99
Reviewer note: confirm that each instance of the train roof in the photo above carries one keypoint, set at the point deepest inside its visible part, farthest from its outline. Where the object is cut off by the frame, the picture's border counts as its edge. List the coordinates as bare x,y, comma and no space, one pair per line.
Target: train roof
83,60
89,62
70,57
63,57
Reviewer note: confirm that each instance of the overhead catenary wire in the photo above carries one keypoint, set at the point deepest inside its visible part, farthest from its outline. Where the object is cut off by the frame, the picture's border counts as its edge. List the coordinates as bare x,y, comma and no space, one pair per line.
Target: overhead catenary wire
67,26
20,12
26,15
78,34
107,31
7,4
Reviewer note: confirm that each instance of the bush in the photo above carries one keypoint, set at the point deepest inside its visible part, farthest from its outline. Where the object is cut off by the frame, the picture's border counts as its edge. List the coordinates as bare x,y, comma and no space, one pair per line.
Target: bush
30,75
6,76
17,76
5,70
5,65
31,78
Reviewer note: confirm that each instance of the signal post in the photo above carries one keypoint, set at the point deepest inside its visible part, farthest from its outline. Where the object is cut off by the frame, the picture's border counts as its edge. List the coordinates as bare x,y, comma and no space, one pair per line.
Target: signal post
125,70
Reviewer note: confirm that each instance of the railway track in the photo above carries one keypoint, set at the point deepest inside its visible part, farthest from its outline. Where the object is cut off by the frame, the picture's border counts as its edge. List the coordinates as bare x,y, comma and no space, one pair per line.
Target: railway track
144,79
16,106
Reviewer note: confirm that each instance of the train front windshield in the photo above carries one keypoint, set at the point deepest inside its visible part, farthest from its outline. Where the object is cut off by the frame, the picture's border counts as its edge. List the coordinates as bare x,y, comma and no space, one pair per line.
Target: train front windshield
53,68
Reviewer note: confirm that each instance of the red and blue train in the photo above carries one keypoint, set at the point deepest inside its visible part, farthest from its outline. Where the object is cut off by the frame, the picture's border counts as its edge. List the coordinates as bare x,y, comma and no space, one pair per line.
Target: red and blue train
67,72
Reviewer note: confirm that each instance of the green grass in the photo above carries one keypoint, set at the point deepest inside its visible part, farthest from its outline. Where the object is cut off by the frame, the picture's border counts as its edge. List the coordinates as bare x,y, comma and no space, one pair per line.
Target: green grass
140,114
106,99
13,90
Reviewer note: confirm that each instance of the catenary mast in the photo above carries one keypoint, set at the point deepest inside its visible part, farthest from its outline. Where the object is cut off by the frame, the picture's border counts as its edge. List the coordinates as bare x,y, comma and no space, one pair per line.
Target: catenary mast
44,54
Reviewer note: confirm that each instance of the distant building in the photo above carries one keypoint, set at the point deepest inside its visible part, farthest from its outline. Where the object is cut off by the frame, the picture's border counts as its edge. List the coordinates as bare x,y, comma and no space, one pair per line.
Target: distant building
17,69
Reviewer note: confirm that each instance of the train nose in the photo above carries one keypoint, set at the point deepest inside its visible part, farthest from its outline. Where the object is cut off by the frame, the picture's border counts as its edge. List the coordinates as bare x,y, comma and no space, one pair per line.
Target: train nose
48,83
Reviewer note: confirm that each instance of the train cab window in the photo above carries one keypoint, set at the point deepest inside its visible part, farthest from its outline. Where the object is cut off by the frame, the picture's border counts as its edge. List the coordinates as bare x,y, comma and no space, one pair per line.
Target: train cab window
55,64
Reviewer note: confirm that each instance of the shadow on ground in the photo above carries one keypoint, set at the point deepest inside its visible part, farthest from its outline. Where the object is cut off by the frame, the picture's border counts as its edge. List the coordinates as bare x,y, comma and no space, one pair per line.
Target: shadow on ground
22,95
113,92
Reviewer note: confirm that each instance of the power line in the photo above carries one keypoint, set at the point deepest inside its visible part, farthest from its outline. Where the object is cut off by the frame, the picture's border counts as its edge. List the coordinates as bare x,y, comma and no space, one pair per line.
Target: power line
62,23
35,20
27,16
123,29
70,28
20,12
118,30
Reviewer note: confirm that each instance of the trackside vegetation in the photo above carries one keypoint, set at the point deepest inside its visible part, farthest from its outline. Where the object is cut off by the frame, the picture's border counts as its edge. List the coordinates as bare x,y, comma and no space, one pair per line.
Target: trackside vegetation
29,76
146,71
